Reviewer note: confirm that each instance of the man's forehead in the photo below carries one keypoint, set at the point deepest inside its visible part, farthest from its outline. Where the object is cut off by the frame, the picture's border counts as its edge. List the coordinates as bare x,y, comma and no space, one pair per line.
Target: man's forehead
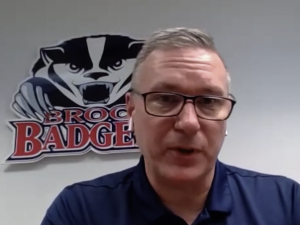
191,54
180,70
167,85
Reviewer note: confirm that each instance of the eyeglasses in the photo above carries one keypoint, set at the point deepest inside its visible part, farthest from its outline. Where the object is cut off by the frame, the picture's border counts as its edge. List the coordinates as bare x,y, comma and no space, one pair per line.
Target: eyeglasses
168,104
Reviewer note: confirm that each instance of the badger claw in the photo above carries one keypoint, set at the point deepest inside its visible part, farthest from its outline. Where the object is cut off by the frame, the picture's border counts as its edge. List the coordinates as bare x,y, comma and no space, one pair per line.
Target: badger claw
31,102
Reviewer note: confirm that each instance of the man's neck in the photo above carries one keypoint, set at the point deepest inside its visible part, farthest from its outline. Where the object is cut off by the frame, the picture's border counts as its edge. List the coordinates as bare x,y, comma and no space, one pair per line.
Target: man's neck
184,199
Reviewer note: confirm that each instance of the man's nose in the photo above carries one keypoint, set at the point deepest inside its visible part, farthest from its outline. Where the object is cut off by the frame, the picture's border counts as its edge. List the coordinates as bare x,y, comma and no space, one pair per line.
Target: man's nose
188,121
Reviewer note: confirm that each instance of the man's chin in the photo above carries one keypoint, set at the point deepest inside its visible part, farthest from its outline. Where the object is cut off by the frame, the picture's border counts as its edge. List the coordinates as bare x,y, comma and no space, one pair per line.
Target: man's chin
180,174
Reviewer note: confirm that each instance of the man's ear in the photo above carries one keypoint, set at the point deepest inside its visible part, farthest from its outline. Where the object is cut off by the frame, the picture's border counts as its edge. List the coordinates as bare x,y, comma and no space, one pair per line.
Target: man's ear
130,107
130,110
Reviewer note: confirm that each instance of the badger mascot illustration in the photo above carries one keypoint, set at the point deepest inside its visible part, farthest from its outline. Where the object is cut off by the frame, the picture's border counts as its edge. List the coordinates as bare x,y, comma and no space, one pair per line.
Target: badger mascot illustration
80,72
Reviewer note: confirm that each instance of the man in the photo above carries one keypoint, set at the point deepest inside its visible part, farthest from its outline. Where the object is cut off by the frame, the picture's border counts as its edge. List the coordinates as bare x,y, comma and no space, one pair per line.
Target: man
178,107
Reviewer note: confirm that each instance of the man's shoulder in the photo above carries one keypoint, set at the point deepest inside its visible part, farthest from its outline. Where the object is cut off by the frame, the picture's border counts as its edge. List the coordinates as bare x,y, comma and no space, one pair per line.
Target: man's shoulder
265,194
111,181
106,188
234,171
258,181
91,201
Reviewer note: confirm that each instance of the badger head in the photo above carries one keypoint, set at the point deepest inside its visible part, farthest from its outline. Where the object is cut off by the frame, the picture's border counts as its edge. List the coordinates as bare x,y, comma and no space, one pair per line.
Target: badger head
90,71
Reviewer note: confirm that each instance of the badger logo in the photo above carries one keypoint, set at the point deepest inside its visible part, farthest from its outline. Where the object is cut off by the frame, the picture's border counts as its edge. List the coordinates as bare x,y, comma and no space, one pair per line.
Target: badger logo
75,86
86,72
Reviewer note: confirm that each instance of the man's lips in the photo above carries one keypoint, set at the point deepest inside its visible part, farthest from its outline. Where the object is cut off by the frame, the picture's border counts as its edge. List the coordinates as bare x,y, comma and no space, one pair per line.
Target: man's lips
185,149
185,156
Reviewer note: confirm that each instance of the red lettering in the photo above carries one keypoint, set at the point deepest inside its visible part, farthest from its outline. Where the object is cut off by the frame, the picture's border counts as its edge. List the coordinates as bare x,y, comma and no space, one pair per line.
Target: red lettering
73,114
27,143
95,115
53,138
118,113
53,119
121,134
96,135
77,140
108,132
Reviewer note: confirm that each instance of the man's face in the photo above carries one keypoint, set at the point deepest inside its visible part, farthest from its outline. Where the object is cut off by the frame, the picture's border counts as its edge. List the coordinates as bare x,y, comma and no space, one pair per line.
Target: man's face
189,71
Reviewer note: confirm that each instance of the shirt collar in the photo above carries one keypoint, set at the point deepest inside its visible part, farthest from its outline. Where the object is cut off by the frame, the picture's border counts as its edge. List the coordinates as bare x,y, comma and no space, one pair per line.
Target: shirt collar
219,201
148,203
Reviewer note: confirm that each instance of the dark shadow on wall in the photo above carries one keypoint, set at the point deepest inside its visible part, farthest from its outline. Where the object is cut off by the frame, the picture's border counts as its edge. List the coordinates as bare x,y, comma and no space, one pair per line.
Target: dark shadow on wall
48,161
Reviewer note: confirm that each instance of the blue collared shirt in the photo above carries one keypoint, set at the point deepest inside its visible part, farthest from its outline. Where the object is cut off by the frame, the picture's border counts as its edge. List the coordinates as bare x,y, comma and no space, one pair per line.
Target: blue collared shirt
237,197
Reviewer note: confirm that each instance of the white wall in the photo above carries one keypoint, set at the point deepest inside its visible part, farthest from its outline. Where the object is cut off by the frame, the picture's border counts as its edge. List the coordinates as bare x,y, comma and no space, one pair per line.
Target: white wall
258,39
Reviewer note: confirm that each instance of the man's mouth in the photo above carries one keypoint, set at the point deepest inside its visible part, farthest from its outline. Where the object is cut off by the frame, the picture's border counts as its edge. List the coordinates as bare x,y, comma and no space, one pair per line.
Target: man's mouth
96,92
185,150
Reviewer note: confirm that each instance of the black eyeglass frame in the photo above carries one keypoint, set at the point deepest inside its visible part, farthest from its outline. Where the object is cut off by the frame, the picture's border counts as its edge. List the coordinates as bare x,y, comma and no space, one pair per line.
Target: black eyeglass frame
186,97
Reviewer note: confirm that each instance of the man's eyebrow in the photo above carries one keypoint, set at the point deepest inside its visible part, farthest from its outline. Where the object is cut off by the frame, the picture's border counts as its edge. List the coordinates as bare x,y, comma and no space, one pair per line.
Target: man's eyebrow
213,90
164,86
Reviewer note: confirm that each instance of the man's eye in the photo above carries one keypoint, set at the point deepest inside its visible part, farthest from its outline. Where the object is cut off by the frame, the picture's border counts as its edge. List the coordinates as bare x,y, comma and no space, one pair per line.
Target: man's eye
167,99
208,101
